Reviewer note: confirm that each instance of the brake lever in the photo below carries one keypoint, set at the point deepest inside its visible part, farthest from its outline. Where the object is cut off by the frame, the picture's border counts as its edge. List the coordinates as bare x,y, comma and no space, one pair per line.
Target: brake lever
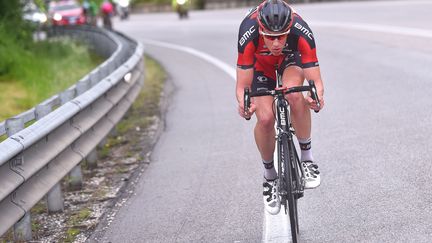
246,103
314,94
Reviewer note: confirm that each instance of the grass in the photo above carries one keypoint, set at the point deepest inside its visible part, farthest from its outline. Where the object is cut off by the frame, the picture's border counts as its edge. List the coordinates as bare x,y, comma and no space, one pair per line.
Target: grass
76,220
146,106
141,114
80,216
104,151
33,72
35,226
71,233
122,170
39,208
7,237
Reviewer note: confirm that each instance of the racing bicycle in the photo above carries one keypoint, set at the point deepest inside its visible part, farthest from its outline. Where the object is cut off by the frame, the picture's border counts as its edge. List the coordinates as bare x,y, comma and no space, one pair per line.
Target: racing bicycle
290,174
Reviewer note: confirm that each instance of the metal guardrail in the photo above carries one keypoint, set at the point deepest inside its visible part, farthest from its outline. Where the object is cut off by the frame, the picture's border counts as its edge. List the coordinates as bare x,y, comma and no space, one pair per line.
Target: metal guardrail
67,127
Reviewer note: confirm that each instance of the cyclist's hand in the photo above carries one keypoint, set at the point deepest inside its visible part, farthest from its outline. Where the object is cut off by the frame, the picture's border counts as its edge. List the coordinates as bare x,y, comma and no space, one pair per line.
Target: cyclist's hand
313,104
242,112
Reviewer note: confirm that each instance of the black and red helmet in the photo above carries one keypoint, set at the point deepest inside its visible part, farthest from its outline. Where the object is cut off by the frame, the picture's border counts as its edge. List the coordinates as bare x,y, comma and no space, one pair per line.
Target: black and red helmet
275,16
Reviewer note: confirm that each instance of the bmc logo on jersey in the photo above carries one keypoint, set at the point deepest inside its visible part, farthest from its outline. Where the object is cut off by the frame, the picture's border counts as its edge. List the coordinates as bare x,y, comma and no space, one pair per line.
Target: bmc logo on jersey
304,30
246,35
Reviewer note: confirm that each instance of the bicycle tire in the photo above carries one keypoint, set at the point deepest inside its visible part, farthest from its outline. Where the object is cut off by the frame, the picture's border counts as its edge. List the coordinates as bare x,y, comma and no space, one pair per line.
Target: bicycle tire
290,197
295,163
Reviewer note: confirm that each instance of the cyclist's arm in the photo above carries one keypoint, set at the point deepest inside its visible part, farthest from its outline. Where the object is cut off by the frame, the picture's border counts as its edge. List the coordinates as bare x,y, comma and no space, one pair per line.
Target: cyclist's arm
245,72
244,79
311,68
314,73
246,47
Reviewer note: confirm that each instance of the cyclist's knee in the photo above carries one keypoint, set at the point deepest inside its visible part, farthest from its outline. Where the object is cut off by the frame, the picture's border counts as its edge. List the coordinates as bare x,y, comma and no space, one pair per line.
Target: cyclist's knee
293,76
296,100
266,122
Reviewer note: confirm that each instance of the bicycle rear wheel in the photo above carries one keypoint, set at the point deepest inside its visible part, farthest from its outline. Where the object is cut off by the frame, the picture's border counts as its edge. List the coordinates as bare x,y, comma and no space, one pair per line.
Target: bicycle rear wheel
290,183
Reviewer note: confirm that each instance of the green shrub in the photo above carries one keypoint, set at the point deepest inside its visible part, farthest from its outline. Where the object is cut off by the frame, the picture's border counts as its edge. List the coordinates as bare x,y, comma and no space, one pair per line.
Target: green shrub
31,72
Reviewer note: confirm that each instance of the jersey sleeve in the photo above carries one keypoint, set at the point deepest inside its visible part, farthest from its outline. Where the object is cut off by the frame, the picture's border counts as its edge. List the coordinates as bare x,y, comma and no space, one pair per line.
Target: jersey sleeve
308,54
247,42
246,59
305,43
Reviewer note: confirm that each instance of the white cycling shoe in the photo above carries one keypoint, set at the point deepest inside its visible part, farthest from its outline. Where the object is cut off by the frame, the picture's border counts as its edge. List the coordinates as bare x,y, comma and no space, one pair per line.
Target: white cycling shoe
312,175
271,197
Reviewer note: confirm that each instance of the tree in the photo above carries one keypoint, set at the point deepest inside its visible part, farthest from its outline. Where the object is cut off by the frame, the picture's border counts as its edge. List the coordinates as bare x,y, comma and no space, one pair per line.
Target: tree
10,12
12,23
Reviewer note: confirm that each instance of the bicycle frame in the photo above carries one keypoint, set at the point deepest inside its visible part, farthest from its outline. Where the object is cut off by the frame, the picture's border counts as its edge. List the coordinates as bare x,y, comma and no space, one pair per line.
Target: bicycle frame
284,130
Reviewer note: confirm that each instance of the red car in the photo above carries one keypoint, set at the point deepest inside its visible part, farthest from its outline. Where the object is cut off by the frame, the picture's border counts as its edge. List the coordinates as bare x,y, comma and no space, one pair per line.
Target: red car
66,13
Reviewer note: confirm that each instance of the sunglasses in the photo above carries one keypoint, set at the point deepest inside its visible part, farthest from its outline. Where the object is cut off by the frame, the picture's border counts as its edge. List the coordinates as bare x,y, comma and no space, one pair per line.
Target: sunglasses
274,36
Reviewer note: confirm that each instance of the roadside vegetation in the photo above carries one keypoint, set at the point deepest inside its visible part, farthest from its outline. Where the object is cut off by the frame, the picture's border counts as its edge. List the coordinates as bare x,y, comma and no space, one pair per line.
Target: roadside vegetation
30,71
119,159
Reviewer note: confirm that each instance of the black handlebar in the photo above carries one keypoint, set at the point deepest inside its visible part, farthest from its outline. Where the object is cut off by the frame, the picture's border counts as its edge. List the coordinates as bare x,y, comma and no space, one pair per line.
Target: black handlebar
311,88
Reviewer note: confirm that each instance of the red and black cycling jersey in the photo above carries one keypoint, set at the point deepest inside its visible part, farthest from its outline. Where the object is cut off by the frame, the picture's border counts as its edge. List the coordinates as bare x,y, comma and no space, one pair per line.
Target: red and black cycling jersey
252,52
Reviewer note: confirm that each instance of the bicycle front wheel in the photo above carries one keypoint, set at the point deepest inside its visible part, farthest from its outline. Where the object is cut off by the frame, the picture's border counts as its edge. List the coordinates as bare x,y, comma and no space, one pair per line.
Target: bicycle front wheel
290,182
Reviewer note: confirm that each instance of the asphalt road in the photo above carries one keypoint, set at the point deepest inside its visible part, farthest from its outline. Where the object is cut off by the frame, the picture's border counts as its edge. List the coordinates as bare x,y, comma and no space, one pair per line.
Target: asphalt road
372,140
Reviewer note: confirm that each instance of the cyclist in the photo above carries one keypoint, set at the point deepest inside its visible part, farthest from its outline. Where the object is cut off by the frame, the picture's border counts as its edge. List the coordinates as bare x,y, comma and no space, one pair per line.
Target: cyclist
90,11
107,11
273,35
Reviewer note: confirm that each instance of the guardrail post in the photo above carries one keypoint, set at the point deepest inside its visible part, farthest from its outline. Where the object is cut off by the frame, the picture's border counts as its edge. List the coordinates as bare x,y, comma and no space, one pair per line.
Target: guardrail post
82,86
14,125
75,175
92,159
55,200
113,132
103,142
22,229
54,197
76,178
94,77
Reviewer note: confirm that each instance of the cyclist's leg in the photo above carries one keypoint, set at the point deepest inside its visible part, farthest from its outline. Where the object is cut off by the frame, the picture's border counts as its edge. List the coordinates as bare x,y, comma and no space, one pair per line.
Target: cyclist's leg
264,129
264,138
301,119
292,75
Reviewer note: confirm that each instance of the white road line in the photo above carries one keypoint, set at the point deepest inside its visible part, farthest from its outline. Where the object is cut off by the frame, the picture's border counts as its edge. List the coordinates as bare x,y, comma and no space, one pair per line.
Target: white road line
276,227
222,65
